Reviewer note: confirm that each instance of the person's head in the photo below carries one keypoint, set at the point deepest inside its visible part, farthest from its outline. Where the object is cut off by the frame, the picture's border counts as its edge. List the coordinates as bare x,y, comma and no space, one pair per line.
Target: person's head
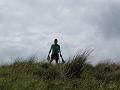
55,41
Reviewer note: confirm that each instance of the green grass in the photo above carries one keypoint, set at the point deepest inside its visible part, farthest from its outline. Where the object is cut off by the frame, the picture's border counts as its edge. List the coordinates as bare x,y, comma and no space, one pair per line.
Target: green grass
76,74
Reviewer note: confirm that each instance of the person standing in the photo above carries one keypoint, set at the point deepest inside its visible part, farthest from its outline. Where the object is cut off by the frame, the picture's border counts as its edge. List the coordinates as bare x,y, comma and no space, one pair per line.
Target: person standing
55,51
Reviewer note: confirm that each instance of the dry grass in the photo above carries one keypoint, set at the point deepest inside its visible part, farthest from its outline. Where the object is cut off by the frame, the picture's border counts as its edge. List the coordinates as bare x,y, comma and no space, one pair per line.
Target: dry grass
76,74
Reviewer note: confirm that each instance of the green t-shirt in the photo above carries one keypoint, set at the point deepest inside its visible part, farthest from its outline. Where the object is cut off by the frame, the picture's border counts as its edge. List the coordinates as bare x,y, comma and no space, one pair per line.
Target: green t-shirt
55,48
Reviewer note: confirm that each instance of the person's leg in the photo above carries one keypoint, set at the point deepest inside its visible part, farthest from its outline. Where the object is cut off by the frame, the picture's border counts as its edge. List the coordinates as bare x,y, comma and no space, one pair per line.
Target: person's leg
51,60
56,61
54,57
57,58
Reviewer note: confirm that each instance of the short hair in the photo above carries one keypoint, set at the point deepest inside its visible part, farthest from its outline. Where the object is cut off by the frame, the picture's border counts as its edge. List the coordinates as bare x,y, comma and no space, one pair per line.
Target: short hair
55,40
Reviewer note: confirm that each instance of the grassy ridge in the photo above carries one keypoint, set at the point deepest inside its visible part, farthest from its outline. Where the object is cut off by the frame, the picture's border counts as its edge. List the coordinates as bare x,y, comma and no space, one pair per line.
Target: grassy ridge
75,74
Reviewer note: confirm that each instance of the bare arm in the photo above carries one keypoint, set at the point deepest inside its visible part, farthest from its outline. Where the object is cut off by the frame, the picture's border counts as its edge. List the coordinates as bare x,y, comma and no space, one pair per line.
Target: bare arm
62,57
49,52
60,52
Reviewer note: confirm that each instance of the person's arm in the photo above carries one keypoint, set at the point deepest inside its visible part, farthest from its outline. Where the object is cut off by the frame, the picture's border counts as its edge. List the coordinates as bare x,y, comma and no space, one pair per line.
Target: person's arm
60,52
49,52
63,61
61,56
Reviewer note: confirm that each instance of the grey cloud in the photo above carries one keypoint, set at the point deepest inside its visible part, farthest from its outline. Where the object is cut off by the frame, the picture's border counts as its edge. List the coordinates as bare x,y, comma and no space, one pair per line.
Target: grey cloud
29,26
105,17
111,27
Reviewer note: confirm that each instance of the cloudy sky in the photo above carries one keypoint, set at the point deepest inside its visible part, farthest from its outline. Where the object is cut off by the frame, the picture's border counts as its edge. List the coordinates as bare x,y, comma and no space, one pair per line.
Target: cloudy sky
28,27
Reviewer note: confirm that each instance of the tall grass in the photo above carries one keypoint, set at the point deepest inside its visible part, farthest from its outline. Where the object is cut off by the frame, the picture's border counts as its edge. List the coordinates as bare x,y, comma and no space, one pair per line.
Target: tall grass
75,66
75,74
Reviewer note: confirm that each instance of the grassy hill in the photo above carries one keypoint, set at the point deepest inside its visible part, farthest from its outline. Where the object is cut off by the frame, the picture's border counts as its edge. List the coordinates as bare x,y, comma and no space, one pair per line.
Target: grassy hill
76,74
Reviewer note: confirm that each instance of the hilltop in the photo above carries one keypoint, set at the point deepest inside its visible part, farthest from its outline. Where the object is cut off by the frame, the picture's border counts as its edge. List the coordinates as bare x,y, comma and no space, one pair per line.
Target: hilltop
75,74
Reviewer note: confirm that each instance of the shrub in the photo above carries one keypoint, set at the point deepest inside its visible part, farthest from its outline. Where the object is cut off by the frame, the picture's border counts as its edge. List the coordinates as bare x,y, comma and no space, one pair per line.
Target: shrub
76,65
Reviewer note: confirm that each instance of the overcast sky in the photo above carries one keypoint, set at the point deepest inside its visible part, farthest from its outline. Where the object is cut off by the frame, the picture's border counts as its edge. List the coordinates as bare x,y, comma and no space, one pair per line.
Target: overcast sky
28,27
